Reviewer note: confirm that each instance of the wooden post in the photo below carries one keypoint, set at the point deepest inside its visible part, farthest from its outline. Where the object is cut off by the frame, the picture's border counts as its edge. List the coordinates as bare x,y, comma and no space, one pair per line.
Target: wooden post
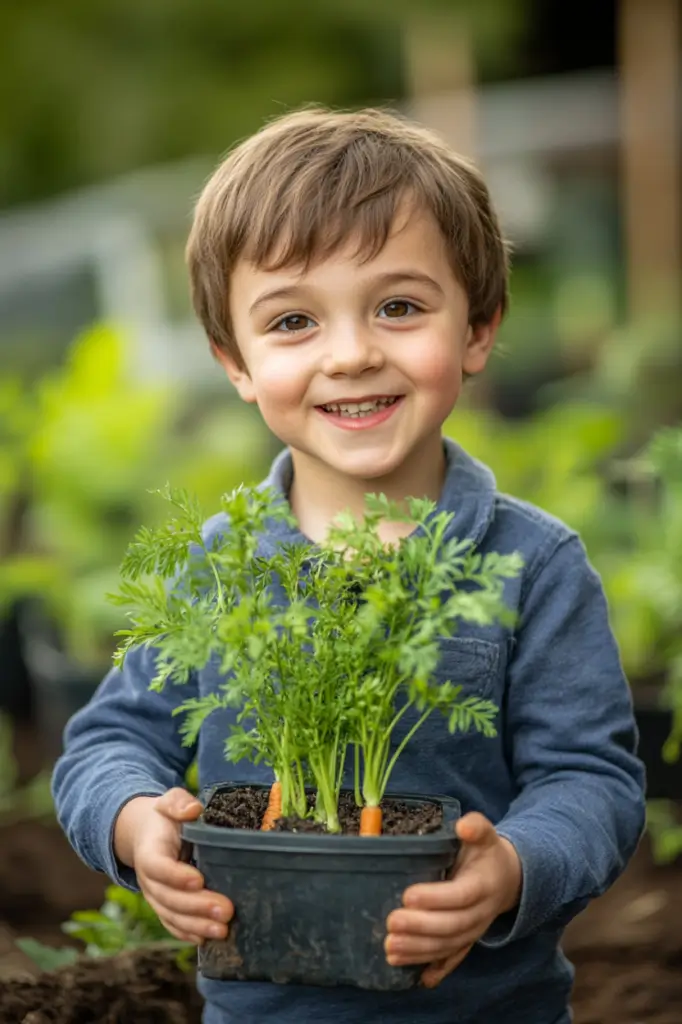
650,155
441,77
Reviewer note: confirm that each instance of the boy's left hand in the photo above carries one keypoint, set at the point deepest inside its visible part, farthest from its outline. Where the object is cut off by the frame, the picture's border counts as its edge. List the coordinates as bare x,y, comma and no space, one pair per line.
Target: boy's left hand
439,922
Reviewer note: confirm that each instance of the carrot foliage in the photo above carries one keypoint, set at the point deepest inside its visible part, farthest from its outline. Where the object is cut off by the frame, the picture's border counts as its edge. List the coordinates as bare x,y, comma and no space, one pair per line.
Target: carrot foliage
321,649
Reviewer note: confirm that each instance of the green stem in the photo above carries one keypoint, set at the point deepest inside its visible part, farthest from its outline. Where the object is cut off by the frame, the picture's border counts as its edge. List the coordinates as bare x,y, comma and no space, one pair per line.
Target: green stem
326,793
397,717
391,764
356,772
320,812
302,809
219,586
372,763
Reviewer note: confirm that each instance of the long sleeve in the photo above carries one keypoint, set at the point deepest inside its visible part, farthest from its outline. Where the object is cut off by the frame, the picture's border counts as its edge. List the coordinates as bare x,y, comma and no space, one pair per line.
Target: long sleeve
124,743
571,739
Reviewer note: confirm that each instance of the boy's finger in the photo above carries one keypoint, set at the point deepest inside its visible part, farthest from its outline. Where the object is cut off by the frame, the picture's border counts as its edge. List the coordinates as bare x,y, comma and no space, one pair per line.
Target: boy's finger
456,894
429,922
196,940
198,926
173,873
209,905
436,972
415,949
475,829
179,805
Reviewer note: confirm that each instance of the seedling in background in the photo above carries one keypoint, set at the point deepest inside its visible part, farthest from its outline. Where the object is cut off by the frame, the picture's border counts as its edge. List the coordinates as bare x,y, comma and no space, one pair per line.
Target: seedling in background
125,921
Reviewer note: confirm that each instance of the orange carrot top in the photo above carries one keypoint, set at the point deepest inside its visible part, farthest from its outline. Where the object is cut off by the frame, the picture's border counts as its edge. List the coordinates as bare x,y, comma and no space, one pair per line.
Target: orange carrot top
370,821
274,809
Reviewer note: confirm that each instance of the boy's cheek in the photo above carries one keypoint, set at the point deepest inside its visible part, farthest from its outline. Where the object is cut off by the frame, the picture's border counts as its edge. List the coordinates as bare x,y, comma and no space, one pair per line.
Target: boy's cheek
280,383
439,374
279,391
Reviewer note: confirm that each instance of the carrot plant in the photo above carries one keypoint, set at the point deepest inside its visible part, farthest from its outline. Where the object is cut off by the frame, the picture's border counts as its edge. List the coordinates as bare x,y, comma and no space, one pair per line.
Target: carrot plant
413,593
320,648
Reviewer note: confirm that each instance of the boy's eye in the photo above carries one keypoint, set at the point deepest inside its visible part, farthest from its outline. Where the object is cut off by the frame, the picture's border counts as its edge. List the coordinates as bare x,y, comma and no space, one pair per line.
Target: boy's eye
397,309
292,323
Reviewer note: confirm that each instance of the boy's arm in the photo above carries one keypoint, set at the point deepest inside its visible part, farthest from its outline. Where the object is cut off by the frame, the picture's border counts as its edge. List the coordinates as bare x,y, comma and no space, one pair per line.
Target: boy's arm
123,744
571,739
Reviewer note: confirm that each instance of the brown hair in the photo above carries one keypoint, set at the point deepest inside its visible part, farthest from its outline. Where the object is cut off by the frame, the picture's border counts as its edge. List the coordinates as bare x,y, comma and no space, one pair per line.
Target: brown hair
309,181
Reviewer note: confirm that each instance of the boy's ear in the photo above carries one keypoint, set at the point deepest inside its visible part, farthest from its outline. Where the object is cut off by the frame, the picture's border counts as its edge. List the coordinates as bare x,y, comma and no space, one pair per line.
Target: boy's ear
479,344
237,373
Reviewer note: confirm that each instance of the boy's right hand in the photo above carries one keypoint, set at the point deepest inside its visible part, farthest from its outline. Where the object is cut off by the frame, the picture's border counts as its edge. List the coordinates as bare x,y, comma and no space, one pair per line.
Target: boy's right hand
147,839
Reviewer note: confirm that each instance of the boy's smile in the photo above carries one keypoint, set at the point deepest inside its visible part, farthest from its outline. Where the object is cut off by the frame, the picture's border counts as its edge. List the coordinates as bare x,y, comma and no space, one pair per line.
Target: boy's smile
360,413
355,363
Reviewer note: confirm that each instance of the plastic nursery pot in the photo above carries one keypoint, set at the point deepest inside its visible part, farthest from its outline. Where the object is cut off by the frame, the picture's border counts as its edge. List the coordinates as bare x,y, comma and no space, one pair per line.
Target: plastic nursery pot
311,909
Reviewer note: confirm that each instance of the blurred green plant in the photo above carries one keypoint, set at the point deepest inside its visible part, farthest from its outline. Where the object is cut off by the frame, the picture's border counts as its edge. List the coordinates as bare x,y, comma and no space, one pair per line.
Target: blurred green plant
554,459
634,368
654,566
20,802
564,460
124,921
79,455
664,828
47,958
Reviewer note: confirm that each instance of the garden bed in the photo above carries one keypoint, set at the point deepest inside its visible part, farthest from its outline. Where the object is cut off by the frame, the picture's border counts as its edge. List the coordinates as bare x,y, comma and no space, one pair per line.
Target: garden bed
145,985
627,947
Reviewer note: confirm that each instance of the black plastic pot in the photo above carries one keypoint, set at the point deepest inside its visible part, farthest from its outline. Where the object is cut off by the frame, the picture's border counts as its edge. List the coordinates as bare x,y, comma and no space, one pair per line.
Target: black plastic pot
311,909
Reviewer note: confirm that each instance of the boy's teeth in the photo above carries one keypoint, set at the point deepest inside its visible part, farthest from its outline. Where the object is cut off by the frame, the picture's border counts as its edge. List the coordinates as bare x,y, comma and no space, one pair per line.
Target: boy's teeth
358,409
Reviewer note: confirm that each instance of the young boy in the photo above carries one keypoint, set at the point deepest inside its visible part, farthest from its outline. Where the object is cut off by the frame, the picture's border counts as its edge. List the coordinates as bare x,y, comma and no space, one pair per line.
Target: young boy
350,274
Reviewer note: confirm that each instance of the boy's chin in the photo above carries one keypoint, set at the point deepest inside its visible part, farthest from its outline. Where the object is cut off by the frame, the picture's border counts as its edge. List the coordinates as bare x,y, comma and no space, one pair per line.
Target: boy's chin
366,467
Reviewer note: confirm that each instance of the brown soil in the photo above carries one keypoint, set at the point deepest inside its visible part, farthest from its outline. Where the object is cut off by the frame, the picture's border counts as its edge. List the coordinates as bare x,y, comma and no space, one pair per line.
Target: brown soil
145,986
237,808
42,881
244,808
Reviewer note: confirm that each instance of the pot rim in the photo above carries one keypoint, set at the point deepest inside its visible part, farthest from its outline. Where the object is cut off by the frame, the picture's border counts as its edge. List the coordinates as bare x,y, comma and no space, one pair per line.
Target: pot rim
443,841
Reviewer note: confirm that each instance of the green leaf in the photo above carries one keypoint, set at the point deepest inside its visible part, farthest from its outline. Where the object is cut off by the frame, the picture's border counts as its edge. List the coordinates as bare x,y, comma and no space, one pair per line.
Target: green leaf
473,712
196,710
47,958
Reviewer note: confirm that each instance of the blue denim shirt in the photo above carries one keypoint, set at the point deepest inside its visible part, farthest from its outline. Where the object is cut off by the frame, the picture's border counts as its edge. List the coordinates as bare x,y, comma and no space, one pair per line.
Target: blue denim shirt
561,780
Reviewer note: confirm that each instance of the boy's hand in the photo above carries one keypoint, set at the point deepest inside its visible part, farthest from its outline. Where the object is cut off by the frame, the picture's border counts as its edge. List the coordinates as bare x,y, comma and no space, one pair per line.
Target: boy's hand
439,922
147,838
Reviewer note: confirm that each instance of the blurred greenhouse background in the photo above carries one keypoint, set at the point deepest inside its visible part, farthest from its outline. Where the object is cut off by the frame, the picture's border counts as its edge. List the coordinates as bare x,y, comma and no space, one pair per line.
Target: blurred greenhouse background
111,116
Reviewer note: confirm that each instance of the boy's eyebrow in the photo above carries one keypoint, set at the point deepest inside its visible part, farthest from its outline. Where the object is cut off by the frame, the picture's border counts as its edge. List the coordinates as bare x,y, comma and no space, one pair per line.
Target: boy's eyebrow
276,293
415,276
389,278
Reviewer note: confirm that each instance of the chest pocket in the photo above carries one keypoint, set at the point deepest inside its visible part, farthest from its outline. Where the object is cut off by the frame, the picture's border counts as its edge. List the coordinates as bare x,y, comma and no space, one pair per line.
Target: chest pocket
472,664
434,760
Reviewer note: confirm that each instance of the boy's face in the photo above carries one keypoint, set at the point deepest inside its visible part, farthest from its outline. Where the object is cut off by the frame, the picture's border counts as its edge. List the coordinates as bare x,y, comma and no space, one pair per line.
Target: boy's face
356,365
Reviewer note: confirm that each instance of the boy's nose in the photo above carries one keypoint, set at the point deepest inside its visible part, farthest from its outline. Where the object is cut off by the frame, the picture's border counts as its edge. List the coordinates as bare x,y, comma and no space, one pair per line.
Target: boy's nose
351,352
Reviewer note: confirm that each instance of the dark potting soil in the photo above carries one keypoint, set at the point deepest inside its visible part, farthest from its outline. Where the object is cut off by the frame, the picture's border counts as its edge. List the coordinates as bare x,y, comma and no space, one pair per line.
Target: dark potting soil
237,808
245,807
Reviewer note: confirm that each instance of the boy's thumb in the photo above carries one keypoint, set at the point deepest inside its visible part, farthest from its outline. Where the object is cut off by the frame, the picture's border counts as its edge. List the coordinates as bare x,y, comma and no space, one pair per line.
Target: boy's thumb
179,805
475,828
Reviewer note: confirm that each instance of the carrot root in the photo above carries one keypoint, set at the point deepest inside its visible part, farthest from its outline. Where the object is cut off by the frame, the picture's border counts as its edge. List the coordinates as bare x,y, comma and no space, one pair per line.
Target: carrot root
370,821
274,809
